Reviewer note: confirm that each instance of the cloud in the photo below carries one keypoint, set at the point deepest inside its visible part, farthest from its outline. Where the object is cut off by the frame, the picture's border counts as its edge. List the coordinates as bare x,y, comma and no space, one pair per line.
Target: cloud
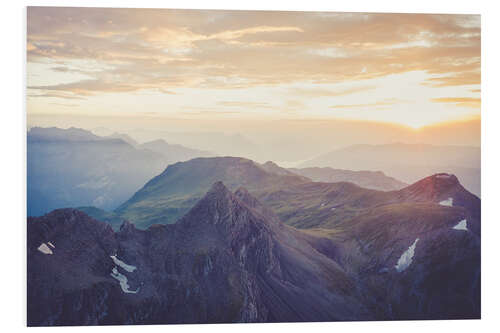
244,104
468,102
386,102
56,94
206,111
65,104
87,87
458,79
294,104
91,87
167,49
319,92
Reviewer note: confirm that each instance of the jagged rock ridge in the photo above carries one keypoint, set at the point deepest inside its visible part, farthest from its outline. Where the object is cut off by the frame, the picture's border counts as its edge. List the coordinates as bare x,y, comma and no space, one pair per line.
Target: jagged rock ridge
230,259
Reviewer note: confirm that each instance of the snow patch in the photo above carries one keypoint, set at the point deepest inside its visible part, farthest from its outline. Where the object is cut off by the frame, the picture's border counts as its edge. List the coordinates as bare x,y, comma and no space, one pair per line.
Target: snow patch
51,245
128,268
123,281
407,257
448,202
44,249
333,208
462,225
444,176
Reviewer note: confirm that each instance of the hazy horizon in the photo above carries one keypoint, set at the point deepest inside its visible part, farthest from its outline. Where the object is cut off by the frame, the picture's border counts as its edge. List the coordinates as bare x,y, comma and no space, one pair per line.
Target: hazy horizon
270,140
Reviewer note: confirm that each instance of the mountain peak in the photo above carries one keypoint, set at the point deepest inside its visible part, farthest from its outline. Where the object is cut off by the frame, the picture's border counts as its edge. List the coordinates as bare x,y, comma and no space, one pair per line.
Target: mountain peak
157,141
218,187
55,134
438,187
272,167
220,207
445,178
213,208
271,163
439,182
218,191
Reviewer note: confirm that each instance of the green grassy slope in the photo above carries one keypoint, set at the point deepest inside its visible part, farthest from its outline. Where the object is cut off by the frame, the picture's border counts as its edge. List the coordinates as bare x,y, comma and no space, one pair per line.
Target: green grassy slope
171,194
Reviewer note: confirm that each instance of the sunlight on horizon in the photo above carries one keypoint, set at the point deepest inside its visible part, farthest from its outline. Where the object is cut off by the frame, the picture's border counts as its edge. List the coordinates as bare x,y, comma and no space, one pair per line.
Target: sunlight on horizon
200,64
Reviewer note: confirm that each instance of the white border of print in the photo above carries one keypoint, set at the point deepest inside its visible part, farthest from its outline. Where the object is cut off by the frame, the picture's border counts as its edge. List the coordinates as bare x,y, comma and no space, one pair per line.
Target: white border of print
13,170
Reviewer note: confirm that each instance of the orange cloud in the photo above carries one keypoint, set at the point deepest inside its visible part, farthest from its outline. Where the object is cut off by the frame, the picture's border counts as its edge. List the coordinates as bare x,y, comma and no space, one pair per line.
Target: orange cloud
467,102
165,49
386,102
244,104
319,92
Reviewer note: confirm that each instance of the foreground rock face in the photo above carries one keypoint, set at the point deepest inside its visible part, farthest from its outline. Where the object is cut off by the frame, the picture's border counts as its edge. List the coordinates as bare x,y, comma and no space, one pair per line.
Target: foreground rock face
230,259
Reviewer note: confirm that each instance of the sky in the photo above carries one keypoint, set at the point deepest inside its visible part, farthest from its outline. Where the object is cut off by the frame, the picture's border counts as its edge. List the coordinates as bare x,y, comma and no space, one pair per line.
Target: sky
408,69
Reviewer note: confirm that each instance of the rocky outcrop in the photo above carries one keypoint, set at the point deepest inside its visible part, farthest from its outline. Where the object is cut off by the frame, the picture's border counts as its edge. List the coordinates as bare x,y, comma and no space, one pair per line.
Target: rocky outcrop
225,261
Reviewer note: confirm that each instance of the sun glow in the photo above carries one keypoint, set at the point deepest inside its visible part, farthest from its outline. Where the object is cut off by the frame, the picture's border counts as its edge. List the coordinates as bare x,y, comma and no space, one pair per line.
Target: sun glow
204,64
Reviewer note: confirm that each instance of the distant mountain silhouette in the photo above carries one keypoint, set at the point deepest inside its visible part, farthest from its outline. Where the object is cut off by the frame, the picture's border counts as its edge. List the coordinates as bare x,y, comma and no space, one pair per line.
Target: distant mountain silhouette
125,137
180,152
376,180
408,162
55,134
73,167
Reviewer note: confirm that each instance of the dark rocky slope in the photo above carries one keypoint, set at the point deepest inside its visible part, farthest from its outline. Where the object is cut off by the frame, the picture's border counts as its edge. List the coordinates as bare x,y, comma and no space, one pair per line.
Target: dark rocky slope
230,259
227,260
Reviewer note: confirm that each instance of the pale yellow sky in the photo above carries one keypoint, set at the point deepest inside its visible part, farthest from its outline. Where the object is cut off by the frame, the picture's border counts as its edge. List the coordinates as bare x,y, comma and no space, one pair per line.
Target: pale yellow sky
409,69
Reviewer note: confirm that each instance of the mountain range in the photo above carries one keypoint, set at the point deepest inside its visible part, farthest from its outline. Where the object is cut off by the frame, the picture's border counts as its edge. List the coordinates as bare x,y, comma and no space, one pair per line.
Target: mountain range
168,196
227,239
231,259
375,180
74,167
408,162
296,199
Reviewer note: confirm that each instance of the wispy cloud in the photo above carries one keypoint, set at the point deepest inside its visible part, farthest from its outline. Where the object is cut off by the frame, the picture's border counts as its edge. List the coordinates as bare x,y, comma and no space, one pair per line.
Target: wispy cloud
167,49
65,104
467,102
244,104
56,94
319,92
386,102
